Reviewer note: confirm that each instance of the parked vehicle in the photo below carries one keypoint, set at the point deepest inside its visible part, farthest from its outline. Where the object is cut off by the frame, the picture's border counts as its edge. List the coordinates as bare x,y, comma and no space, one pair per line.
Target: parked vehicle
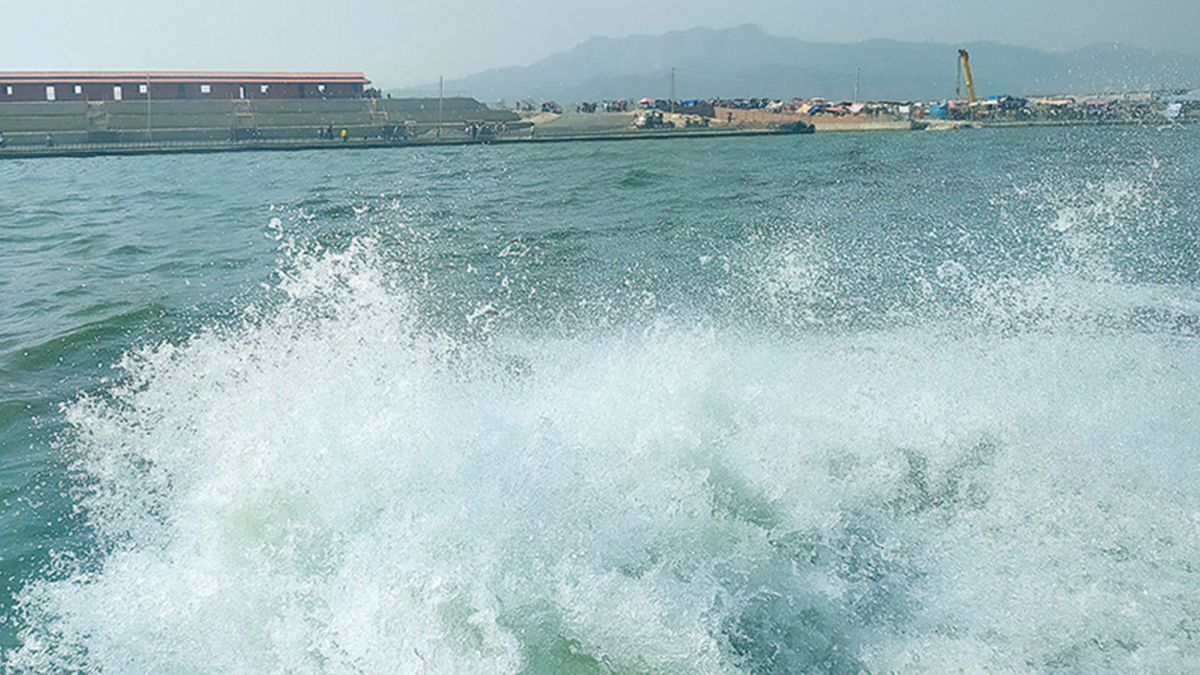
652,119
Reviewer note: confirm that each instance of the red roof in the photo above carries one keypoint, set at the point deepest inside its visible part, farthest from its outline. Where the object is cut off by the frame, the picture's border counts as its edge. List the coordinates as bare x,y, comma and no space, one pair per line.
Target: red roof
69,77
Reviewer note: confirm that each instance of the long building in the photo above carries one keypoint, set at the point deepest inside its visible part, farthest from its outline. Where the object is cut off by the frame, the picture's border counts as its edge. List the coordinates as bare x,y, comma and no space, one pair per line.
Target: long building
165,85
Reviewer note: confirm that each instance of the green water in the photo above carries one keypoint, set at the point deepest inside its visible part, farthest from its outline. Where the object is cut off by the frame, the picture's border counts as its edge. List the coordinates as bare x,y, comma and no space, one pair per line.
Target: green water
853,402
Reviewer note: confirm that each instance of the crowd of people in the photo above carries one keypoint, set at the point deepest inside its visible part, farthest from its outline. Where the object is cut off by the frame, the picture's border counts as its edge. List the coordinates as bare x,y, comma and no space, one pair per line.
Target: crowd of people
995,108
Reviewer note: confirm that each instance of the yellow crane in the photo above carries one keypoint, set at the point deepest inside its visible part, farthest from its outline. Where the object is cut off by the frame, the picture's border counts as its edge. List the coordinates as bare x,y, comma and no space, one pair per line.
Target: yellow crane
965,58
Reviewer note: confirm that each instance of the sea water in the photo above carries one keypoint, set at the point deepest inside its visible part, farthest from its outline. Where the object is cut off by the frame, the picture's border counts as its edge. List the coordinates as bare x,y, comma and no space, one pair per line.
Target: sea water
885,403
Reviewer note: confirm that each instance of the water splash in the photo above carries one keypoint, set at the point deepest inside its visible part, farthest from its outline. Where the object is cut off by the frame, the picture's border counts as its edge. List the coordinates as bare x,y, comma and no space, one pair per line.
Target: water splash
329,485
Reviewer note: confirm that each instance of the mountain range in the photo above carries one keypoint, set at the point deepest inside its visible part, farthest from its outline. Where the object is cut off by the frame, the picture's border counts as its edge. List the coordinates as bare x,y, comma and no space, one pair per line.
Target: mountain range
747,62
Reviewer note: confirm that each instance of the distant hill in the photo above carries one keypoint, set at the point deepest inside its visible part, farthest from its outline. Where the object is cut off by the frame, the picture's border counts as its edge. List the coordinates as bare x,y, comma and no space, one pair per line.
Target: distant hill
746,62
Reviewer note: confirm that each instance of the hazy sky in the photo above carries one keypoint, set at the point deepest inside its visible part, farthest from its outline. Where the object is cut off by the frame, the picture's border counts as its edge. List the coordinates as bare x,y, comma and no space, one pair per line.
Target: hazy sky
406,42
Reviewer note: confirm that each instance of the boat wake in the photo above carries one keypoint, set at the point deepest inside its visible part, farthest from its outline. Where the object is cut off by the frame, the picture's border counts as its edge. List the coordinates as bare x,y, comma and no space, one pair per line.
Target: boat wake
329,484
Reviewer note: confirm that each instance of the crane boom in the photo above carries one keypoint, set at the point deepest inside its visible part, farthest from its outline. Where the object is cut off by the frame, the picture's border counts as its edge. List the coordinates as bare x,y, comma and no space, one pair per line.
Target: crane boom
965,58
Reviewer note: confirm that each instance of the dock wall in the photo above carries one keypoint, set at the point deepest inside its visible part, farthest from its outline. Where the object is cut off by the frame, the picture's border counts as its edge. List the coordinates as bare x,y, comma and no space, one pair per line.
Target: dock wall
28,124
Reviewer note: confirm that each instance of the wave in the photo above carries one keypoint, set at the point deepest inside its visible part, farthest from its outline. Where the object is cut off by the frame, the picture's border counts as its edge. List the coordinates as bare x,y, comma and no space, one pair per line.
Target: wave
333,484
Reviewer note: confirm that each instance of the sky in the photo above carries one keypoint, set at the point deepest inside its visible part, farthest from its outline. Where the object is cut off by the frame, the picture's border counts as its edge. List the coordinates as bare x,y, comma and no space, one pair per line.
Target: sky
411,43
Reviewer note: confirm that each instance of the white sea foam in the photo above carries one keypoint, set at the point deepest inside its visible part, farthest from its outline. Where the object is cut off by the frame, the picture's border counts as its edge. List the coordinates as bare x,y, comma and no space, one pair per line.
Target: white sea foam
330,487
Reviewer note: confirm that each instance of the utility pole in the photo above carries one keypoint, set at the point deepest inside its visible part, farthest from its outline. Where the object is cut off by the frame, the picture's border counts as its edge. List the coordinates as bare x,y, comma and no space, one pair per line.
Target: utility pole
441,95
672,90
149,112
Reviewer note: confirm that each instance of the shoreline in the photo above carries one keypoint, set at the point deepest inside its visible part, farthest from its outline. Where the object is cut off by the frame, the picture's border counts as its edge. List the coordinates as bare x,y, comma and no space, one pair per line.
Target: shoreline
210,147
537,135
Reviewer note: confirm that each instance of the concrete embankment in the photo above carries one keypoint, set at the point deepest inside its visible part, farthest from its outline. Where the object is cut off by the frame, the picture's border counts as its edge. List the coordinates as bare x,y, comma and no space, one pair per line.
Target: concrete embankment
77,129
191,128
449,139
164,123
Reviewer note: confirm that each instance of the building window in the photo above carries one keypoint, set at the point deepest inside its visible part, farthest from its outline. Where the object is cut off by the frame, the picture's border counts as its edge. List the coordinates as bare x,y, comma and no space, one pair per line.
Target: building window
206,89
242,91
264,88
8,90
50,95
142,88
117,92
79,90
